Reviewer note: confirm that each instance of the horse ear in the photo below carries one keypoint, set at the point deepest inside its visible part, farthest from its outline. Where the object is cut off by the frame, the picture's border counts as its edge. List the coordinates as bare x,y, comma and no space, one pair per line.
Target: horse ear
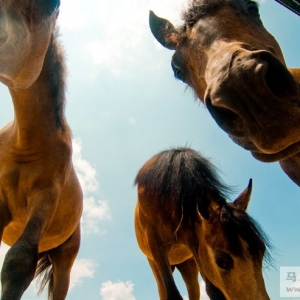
242,201
164,31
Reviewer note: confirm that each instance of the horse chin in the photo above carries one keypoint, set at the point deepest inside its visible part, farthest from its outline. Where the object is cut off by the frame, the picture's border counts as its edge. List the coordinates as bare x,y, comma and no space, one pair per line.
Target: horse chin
278,156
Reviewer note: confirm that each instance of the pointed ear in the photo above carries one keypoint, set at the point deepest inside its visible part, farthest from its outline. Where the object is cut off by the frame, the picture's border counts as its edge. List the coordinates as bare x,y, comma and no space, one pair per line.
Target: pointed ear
164,31
242,201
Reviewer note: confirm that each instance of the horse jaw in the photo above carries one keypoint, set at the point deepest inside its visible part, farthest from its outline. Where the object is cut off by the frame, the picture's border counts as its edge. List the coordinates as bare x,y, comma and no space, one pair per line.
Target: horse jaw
23,46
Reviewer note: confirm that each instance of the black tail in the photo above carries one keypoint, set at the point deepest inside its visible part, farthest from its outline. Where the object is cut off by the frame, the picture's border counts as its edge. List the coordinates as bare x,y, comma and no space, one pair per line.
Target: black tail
45,270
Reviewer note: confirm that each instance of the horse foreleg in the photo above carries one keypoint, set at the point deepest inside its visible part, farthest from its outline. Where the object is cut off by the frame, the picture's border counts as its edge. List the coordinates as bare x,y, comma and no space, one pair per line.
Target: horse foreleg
62,259
19,265
21,259
212,291
189,272
159,280
165,281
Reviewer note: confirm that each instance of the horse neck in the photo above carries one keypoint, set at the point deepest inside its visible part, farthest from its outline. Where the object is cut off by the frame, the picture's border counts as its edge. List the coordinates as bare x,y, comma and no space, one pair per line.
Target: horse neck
36,107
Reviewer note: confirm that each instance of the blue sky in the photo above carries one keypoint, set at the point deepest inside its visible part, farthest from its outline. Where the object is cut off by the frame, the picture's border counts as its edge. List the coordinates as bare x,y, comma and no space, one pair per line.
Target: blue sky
124,106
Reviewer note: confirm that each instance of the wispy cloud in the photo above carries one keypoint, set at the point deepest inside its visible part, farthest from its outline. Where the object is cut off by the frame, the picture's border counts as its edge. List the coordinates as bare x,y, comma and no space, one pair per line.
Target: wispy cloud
82,268
116,39
204,296
3,250
94,211
117,291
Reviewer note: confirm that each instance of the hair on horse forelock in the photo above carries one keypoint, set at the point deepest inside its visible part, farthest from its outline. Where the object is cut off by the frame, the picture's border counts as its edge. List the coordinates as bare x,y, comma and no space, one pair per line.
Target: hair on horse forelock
198,9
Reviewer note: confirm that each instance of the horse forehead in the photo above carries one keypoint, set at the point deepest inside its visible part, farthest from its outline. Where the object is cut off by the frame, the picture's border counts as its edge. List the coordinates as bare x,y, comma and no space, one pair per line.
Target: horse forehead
208,4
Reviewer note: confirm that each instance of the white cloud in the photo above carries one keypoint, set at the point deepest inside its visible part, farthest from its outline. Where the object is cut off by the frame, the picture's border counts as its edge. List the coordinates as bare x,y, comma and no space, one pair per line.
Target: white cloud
117,291
82,268
94,210
204,296
122,31
3,250
72,15
85,172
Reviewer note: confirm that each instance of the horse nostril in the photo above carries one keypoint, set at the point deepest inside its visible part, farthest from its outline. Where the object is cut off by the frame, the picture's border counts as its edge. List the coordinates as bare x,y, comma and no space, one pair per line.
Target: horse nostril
229,121
280,82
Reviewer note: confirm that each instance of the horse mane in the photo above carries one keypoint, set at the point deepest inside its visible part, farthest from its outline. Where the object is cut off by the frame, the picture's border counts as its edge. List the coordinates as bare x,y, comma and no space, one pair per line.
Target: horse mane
56,71
189,181
184,179
180,174
238,224
198,9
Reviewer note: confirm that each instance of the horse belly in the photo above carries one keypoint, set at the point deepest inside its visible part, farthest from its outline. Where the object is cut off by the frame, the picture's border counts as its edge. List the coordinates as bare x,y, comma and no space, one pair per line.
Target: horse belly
178,254
66,218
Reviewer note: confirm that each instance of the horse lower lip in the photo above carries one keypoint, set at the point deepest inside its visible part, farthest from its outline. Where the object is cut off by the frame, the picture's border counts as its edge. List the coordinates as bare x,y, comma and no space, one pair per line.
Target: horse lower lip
280,155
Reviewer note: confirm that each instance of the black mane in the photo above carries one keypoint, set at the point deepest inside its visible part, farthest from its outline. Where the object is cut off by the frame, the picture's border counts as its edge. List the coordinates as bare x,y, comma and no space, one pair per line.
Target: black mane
55,70
181,173
238,224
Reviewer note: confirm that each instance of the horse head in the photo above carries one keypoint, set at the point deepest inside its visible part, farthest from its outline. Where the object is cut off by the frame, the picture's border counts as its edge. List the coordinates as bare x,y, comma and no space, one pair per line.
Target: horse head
236,67
25,32
231,249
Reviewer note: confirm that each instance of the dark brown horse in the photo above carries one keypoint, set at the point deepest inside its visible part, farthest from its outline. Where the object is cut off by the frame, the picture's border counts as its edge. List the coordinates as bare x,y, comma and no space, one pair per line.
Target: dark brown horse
40,196
236,68
182,220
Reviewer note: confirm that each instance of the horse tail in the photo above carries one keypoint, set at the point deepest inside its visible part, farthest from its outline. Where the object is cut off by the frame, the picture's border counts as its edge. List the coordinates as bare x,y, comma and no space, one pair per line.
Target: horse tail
45,271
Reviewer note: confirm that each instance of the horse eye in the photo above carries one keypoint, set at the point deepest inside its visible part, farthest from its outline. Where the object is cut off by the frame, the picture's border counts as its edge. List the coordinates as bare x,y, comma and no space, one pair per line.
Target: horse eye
178,73
223,260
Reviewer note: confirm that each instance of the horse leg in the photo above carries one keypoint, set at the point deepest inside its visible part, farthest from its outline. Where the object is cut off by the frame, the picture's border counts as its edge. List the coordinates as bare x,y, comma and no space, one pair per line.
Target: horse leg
165,282
19,265
159,280
62,259
189,272
212,291
21,259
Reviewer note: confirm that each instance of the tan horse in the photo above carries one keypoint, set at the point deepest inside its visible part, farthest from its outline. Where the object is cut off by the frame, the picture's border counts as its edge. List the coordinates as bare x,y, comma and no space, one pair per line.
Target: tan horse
40,196
236,68
182,220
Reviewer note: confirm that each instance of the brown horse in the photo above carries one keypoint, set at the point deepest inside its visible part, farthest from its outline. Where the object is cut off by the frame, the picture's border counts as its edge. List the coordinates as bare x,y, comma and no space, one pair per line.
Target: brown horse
40,196
236,68
182,220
